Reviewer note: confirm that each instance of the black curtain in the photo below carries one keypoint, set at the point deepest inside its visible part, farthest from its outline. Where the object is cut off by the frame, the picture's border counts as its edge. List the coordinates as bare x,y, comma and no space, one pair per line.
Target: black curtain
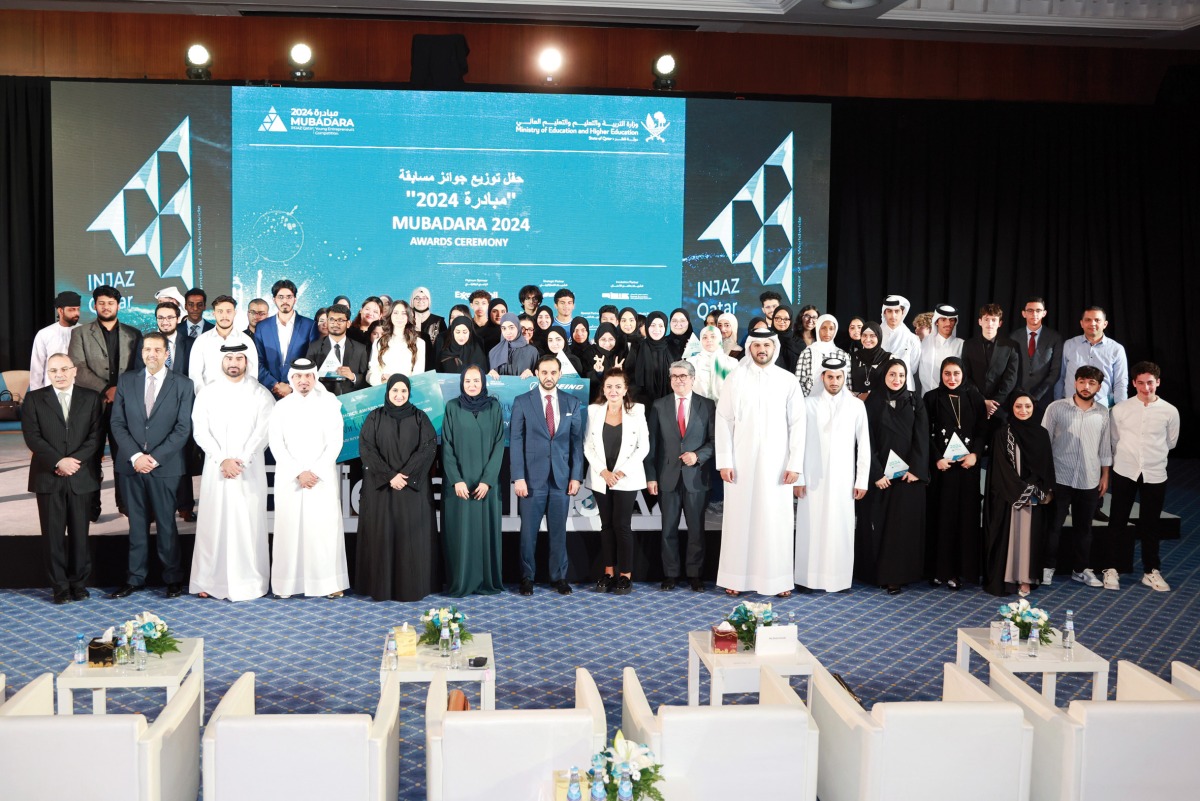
26,218
969,203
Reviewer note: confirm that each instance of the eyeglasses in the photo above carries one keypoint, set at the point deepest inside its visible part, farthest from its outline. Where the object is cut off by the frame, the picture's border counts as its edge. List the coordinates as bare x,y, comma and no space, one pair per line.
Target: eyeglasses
782,318
679,376
163,319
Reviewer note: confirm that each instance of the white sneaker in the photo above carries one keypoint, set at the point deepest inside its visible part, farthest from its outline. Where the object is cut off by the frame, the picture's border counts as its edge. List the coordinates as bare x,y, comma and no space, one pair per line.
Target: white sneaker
1112,580
1047,576
1087,577
1155,581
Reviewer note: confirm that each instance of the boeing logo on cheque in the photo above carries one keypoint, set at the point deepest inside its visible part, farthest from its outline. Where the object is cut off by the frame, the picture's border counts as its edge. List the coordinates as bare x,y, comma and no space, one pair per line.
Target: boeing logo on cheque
320,121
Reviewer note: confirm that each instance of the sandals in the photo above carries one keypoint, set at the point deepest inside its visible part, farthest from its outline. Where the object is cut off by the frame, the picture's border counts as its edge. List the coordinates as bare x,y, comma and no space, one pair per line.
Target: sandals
732,593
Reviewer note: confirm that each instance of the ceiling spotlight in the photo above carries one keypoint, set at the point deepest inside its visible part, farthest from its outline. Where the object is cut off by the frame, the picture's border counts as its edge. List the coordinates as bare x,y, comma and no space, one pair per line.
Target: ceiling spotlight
301,57
664,72
550,62
198,61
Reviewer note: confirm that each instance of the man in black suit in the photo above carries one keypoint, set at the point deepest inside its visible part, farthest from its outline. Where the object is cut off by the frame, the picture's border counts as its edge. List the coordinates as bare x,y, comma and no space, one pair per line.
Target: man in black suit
61,424
1040,350
194,302
681,443
337,354
991,361
151,420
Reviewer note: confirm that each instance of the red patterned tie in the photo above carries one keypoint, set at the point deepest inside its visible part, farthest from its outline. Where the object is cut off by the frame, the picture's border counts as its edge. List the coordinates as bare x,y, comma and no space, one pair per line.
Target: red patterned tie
549,417
682,422
1032,343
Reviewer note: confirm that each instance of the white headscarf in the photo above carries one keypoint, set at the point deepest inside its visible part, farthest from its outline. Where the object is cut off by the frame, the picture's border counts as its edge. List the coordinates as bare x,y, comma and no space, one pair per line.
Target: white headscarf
419,318
301,366
729,343
822,350
891,334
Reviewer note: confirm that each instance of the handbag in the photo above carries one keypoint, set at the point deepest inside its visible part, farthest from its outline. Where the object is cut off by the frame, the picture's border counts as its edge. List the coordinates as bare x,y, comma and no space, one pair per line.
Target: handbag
10,407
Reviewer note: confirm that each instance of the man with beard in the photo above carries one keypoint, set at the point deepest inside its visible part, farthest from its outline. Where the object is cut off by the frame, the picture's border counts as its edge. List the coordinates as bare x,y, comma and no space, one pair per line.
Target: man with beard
282,339
427,324
1093,348
257,310
341,360
230,424
54,338
1080,440
204,362
760,433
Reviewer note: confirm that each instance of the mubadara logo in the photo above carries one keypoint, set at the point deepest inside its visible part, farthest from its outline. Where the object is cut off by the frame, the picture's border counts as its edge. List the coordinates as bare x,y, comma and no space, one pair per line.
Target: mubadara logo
272,122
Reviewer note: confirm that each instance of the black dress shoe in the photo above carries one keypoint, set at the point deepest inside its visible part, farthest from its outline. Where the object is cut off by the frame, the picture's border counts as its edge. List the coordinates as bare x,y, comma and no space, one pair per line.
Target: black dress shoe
174,590
187,516
1100,516
80,594
622,586
667,584
526,586
63,597
562,586
126,590
604,583
894,589
696,584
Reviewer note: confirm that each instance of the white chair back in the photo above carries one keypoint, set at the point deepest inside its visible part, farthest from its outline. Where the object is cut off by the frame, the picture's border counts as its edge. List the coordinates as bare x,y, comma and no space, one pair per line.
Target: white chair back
1183,676
1057,739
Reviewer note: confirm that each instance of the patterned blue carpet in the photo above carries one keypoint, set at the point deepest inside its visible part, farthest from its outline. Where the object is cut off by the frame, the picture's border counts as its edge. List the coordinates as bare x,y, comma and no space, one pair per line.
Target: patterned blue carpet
316,655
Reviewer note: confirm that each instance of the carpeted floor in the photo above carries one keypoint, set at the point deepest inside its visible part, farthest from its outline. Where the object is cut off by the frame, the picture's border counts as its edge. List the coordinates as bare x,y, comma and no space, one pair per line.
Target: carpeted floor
316,655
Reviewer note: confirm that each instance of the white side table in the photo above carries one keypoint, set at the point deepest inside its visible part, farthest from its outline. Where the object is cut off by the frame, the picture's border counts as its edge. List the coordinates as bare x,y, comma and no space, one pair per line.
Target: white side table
738,672
167,673
1051,660
428,661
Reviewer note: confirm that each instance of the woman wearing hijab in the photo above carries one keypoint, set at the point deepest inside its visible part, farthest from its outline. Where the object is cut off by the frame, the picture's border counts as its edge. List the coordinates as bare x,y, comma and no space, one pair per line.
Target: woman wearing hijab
650,360
472,451
556,343
459,347
711,363
606,355
627,322
790,348
808,366
1019,487
580,343
889,538
866,363
396,524
958,433
680,338
543,321
728,325
513,355
489,332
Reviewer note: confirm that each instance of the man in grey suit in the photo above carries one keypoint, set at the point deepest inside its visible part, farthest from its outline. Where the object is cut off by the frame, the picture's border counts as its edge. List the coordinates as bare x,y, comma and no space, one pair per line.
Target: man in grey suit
151,420
546,460
102,351
1040,350
681,443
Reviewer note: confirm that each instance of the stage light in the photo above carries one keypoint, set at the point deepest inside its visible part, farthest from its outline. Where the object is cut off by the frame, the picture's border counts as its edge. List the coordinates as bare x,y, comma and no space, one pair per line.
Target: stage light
550,62
198,61
664,72
300,57
850,5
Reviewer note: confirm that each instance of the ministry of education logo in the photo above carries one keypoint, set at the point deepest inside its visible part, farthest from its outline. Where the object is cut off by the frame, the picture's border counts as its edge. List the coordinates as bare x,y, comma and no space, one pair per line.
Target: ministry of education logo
655,124
272,122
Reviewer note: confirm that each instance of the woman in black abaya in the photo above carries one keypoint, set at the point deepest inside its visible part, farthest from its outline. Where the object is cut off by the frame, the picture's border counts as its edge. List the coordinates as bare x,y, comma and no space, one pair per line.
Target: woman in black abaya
396,525
650,360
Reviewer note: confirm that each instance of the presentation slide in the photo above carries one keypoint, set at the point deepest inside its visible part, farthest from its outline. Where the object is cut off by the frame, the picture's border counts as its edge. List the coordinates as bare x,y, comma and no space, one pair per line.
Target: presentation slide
654,201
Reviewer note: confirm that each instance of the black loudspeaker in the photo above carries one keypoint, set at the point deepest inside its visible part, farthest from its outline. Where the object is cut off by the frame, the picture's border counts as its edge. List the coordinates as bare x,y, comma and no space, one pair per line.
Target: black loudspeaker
439,62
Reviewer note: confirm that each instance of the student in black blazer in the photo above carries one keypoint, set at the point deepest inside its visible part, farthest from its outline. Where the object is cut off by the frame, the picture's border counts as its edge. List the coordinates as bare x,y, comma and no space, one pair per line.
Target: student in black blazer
151,458
676,470
990,361
1040,372
355,355
63,473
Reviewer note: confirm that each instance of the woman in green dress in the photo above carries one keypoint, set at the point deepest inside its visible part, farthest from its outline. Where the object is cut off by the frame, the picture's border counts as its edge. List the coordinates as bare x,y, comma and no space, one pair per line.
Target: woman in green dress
472,449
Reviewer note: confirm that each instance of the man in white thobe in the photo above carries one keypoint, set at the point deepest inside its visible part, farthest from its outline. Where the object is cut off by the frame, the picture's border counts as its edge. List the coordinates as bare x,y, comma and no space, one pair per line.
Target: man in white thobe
760,432
54,338
940,345
897,339
205,362
837,466
229,422
309,552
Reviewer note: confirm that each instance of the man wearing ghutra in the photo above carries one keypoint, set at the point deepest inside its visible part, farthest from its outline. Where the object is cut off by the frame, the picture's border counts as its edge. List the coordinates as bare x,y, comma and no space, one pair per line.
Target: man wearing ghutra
897,339
940,345
837,467
230,424
759,402
305,434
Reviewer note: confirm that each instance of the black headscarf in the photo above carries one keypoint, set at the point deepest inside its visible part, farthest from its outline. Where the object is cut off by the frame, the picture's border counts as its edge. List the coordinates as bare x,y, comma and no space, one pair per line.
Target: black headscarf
453,357
539,333
473,403
1037,456
971,418
581,350
392,410
630,338
898,397
652,361
678,342
790,346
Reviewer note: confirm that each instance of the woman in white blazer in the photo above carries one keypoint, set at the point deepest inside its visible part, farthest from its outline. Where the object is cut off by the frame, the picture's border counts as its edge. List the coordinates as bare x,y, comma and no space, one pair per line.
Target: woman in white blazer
617,441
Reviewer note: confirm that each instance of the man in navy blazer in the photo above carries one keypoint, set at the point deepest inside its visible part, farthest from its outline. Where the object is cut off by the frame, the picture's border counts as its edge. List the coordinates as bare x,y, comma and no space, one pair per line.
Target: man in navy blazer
151,420
282,339
681,444
1041,370
546,459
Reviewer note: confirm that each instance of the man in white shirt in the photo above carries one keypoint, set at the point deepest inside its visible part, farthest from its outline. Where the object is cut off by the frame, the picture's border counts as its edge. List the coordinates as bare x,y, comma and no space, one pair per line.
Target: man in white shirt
1144,429
935,349
204,364
54,338
897,339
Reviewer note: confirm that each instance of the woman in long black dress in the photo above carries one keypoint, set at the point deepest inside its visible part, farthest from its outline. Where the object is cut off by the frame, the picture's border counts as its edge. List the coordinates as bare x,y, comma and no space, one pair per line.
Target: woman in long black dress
459,347
953,539
580,342
1020,484
606,354
866,363
396,525
650,360
889,539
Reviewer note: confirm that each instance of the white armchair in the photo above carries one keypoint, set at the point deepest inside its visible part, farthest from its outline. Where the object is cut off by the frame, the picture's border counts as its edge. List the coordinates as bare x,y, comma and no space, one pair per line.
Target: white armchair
248,757
949,749
507,753
1137,746
1183,677
690,740
1,689
163,756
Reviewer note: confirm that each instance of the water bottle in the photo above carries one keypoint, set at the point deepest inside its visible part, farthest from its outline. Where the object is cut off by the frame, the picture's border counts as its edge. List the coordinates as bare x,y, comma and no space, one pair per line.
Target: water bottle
1068,635
444,642
1005,640
80,657
599,793
139,651
455,650
123,649
574,793
1035,637
625,788
390,660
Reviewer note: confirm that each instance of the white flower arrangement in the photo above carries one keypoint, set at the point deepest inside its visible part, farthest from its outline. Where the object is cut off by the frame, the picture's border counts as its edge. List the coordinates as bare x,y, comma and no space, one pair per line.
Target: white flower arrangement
1027,618
154,630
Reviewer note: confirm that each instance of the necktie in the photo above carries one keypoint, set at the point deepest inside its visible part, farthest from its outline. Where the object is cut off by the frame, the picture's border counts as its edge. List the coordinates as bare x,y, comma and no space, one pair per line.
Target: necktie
64,400
679,417
149,394
549,417
170,358
1032,343
195,330
337,352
